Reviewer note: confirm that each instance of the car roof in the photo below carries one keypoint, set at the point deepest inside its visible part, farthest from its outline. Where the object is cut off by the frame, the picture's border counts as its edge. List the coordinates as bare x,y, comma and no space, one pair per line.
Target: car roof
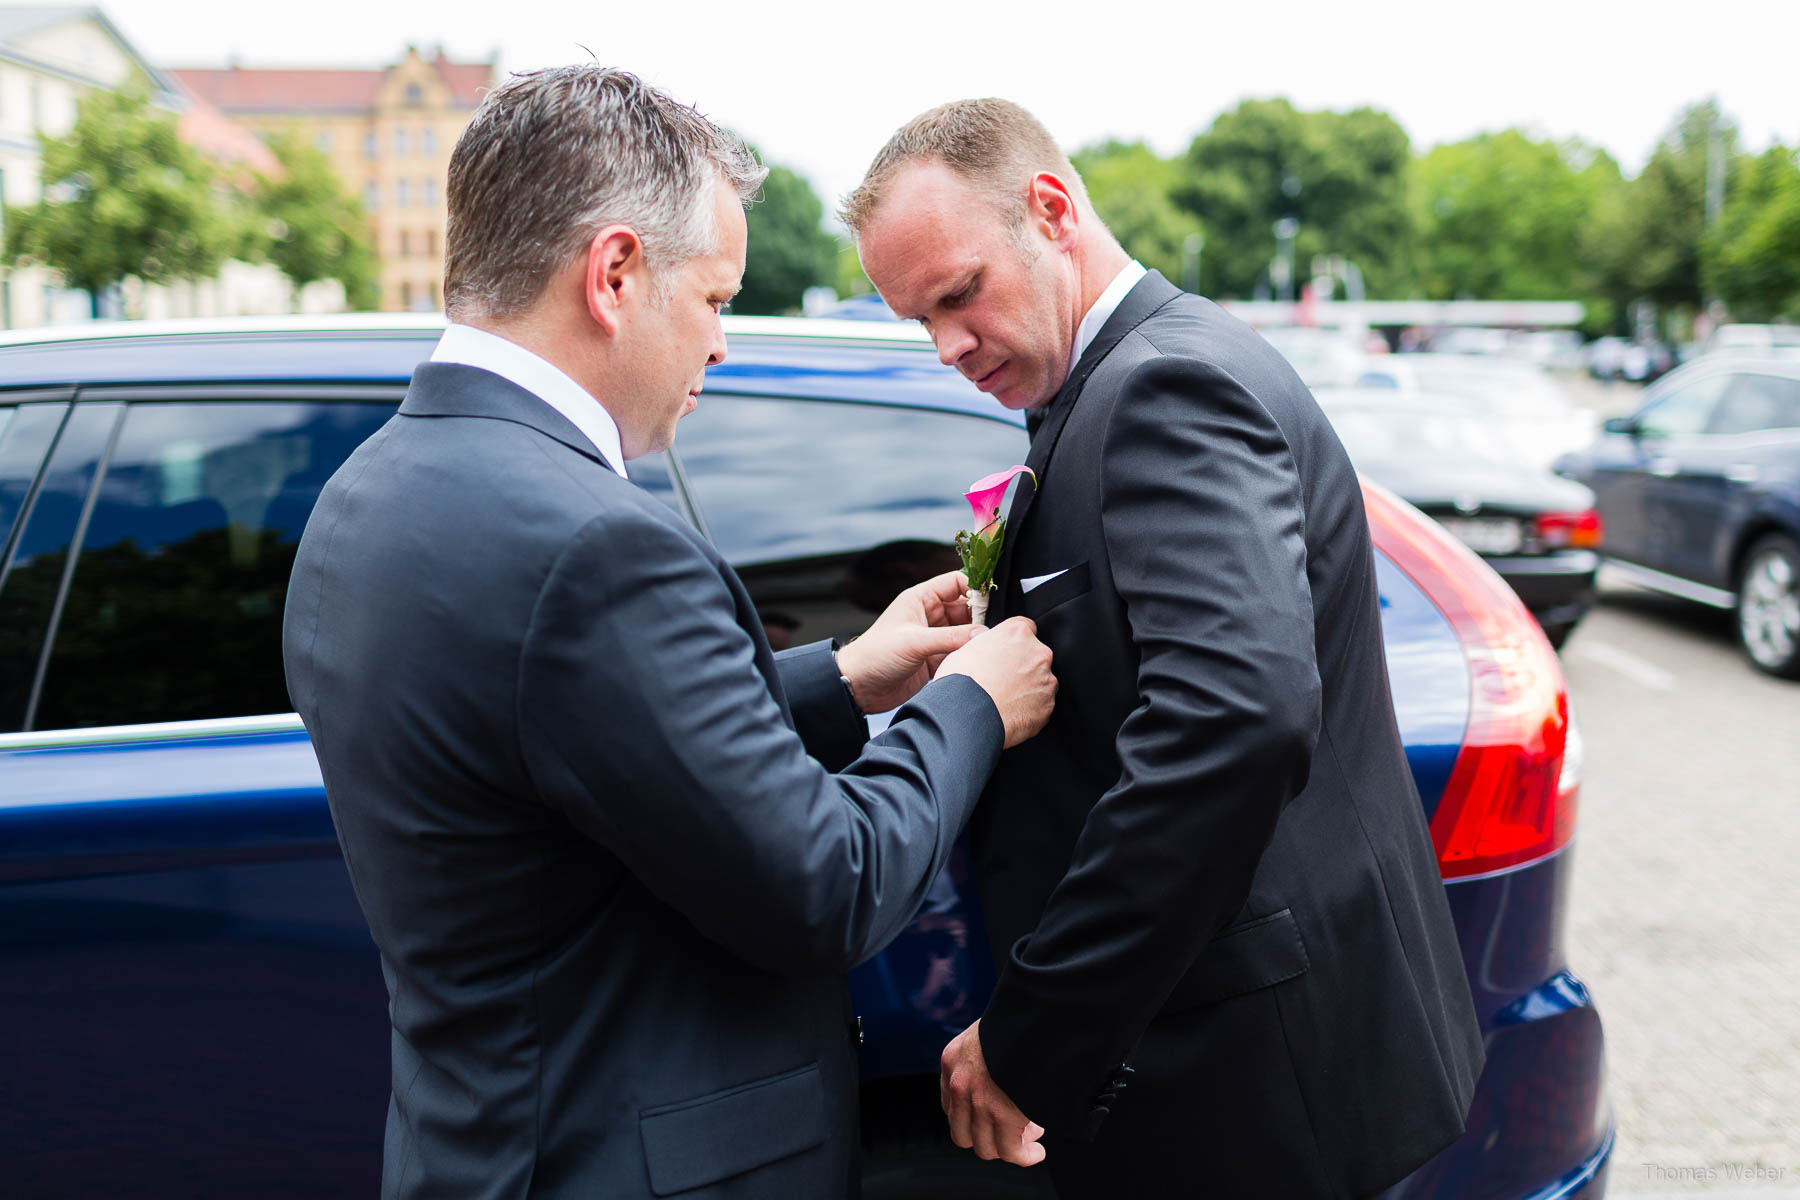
870,362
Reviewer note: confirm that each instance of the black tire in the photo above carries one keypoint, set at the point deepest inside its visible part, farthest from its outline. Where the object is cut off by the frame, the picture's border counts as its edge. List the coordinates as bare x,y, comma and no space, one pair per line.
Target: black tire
1768,609
1558,634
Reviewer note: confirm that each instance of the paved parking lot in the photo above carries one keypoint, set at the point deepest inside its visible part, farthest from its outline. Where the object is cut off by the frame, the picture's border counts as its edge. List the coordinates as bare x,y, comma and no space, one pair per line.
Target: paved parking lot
1686,907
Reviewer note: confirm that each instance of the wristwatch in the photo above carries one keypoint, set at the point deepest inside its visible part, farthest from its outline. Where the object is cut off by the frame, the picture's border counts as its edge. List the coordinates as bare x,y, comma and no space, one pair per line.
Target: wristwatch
849,691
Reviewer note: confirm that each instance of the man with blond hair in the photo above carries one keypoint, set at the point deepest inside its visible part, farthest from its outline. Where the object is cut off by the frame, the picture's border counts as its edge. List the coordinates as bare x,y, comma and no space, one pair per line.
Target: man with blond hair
592,820
1226,962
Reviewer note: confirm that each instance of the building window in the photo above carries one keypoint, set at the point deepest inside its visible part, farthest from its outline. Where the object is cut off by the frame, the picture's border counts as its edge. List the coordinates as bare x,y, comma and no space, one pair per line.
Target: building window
372,196
401,198
428,140
322,140
415,95
371,147
400,140
431,245
405,244
428,189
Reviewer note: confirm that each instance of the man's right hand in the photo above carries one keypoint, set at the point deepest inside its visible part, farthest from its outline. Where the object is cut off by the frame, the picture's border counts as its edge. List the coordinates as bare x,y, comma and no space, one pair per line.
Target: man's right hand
1013,668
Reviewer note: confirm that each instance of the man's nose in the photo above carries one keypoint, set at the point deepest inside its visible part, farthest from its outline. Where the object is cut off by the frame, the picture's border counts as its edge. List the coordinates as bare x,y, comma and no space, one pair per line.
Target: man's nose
953,342
718,348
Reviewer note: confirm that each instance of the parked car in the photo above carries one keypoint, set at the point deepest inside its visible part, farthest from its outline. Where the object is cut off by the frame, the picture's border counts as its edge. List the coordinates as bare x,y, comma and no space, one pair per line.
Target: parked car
1758,341
1321,357
1700,491
192,1000
1538,531
1527,415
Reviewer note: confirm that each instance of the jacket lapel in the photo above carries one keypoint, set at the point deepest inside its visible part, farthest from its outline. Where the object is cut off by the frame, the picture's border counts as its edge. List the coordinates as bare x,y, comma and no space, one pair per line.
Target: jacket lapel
1046,423
456,390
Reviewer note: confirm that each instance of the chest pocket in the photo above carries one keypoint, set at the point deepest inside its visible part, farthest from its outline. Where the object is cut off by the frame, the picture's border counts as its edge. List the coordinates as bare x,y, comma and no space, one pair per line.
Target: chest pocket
1047,595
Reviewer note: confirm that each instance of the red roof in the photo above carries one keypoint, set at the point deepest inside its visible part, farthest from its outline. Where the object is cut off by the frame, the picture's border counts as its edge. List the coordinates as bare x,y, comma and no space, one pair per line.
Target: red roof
224,141
241,90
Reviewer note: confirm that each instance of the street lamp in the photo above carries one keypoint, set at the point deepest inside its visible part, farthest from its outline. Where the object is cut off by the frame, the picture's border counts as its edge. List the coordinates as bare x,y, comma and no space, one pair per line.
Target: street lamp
1283,266
1190,261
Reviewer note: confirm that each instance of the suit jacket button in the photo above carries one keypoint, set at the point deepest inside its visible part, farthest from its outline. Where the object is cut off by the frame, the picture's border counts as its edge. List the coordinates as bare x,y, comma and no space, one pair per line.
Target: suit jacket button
856,1030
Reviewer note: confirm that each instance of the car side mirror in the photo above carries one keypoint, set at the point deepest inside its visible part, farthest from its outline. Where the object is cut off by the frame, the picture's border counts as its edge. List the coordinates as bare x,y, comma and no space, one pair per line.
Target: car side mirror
1621,425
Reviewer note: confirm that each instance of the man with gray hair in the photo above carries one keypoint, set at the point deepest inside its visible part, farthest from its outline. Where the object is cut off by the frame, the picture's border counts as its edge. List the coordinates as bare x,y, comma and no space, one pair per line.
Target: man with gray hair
1226,962
591,818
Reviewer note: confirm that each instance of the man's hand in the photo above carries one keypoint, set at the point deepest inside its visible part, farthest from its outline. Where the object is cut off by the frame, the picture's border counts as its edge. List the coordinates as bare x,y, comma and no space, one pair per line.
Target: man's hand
982,1117
898,655
1013,668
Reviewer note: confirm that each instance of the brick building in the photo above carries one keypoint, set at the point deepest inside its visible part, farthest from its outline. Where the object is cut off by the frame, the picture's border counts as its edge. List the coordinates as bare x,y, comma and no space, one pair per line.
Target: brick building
388,133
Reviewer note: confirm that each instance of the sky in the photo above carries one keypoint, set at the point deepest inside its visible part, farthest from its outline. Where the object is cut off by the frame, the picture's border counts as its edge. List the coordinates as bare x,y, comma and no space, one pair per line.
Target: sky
818,87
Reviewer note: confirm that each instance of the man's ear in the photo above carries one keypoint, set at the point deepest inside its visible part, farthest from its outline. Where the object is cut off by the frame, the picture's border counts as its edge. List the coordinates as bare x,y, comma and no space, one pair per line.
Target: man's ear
1053,209
616,277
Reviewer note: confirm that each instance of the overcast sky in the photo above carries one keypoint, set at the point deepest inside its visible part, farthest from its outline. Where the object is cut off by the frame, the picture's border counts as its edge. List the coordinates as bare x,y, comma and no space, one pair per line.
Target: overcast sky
818,86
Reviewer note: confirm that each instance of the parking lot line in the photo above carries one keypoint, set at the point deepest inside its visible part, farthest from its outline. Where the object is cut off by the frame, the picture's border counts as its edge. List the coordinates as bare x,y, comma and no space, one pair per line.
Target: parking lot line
1633,667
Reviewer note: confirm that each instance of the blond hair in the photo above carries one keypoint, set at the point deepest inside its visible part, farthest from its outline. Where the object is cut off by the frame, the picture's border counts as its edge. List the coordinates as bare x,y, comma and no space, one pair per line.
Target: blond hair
993,144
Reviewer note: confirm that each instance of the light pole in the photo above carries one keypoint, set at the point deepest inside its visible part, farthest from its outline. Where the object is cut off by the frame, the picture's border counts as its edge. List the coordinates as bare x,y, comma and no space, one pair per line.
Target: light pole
1283,267
1190,261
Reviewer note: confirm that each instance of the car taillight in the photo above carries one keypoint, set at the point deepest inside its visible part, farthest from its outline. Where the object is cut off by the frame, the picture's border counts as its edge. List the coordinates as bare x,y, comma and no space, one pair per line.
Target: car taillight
1581,529
1512,794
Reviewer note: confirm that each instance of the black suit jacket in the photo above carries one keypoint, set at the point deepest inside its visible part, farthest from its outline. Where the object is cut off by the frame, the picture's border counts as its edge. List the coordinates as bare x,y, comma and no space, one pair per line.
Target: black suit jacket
612,892
1218,830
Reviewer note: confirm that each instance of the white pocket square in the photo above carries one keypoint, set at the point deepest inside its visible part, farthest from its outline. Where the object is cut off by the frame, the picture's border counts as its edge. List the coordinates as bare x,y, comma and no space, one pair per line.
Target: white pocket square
1025,585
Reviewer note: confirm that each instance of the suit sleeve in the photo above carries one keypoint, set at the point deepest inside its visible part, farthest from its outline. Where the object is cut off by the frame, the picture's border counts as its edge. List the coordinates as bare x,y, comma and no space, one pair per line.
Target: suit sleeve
1204,527
644,718
829,728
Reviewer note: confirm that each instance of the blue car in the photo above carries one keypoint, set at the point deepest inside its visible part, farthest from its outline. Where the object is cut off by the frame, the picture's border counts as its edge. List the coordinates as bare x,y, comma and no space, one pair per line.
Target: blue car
1700,493
191,1001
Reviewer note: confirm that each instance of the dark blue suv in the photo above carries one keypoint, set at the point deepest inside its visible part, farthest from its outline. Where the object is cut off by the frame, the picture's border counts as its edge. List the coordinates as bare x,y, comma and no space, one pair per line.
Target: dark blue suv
191,1003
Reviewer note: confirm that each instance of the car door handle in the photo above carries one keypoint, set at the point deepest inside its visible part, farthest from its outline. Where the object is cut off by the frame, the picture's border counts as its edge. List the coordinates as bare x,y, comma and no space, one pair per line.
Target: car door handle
1663,468
1741,473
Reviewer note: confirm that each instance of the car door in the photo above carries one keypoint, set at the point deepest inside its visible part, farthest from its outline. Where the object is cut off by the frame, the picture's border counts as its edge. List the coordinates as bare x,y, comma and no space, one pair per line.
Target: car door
1753,454
182,963
828,510
1633,471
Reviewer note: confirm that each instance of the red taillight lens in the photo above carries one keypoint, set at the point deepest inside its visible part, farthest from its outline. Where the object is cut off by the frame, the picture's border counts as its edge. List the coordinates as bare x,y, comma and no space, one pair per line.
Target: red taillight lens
1509,800
1582,529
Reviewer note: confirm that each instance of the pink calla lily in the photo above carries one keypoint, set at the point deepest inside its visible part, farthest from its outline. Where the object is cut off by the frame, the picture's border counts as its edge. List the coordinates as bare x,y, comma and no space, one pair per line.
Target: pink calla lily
985,494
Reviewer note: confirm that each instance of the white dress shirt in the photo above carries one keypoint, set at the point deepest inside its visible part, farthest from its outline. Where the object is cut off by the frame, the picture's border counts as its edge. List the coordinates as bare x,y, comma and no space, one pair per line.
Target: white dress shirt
1103,308
472,347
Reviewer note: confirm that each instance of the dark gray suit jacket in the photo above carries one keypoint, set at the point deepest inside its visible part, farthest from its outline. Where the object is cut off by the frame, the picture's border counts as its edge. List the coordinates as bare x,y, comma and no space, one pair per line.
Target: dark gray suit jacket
613,893
1214,862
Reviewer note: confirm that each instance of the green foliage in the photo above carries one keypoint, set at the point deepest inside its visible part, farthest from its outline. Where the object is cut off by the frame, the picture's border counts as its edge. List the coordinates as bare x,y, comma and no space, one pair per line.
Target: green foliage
311,227
789,248
124,197
1133,192
1659,244
980,554
1342,175
1503,217
850,280
1753,259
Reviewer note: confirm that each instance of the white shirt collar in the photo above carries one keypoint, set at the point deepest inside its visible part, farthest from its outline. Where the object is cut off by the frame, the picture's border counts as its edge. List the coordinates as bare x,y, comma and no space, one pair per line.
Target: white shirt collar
472,347
1103,308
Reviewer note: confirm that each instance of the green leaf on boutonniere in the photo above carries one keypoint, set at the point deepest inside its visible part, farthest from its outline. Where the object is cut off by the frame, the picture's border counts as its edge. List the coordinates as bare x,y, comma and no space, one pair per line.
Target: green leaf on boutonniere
980,554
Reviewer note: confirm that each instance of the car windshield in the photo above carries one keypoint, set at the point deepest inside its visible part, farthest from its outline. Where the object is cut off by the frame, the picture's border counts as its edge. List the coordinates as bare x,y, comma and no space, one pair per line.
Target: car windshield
1403,433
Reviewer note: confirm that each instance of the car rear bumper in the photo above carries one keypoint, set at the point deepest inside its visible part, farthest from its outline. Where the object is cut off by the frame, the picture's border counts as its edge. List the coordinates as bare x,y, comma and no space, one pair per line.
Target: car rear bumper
1557,588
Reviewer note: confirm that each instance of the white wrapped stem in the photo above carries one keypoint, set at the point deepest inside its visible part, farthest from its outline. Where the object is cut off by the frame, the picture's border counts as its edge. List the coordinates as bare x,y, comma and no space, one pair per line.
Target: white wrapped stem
978,600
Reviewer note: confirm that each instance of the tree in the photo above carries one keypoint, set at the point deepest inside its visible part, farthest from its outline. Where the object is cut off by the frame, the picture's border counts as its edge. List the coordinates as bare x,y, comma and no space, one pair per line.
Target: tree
1753,261
124,197
1342,175
1133,192
1503,217
312,227
789,248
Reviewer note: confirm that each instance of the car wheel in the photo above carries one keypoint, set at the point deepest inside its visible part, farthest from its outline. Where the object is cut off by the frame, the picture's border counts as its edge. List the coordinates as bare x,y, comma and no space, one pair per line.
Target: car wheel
1558,634
1769,606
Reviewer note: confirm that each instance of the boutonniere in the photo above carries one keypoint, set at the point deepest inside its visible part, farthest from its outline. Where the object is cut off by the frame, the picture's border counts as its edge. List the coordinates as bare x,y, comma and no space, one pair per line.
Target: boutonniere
980,550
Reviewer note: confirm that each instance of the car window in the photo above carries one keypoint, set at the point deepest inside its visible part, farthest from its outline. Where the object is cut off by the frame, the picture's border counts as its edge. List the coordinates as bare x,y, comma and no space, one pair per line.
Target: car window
26,432
174,608
33,577
1683,411
1757,402
828,510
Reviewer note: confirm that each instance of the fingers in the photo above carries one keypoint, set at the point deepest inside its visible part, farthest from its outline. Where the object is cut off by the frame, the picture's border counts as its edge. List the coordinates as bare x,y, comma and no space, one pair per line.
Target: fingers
943,598
937,642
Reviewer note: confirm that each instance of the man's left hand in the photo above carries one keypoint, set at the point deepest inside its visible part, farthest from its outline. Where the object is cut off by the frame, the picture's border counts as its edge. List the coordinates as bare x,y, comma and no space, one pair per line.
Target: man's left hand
888,664
982,1117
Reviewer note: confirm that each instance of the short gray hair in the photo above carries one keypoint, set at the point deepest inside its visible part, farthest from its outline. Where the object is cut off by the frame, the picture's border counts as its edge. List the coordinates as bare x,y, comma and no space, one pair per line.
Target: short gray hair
551,157
995,145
